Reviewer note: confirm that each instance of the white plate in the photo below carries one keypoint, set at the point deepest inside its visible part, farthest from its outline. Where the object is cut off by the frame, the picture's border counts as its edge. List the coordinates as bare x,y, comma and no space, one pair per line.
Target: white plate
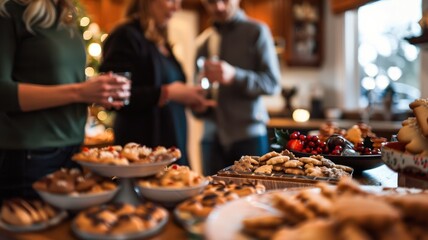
229,216
76,202
139,235
127,171
35,227
171,195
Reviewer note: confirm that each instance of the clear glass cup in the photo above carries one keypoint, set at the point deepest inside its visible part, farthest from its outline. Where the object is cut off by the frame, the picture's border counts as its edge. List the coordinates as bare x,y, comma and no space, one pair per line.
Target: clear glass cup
127,75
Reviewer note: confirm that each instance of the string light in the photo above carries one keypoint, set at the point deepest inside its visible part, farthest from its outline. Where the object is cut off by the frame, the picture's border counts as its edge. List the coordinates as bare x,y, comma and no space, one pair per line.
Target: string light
301,115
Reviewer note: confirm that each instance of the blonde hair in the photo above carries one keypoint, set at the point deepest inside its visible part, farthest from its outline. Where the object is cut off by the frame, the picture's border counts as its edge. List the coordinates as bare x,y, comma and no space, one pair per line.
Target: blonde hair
140,9
42,13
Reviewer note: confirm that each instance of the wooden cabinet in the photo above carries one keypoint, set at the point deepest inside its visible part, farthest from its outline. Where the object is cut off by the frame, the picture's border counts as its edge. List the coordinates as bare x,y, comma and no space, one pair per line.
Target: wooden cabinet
304,26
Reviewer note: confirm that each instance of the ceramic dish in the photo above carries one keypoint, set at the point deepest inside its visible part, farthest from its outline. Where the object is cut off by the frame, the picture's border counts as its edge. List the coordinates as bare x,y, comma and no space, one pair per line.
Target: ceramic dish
395,157
35,227
139,235
171,195
128,171
76,202
216,228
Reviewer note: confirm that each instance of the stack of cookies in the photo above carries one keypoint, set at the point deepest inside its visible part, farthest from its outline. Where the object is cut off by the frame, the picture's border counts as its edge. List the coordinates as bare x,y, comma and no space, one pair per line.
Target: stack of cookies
286,163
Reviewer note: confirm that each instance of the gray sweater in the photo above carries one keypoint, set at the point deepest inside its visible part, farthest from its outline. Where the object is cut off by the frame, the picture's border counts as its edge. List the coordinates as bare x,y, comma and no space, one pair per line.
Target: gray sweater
248,46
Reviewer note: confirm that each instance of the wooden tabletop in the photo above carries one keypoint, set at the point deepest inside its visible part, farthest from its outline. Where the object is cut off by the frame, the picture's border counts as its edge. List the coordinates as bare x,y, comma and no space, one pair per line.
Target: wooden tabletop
381,176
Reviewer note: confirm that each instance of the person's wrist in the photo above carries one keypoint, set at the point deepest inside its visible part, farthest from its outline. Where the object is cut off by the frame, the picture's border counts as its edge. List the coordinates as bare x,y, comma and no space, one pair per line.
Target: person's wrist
76,93
164,96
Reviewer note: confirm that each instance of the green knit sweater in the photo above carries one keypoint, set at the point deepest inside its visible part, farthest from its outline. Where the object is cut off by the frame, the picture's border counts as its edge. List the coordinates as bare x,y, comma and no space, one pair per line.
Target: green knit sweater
49,57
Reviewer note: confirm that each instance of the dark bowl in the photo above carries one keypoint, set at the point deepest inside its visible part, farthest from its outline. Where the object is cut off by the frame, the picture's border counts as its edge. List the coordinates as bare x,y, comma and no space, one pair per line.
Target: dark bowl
358,163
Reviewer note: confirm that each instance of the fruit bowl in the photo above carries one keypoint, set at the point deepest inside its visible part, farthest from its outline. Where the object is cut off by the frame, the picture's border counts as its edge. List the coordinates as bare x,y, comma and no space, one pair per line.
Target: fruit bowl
395,157
359,162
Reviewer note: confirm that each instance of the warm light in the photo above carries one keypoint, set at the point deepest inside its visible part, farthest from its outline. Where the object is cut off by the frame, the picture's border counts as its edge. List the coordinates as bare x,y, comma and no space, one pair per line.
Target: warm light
87,35
301,115
394,73
205,83
368,83
103,37
89,71
371,70
382,82
94,28
94,49
102,115
84,21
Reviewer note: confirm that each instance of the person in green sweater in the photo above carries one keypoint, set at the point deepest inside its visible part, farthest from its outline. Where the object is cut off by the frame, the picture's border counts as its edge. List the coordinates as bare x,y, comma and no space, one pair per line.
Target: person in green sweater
43,92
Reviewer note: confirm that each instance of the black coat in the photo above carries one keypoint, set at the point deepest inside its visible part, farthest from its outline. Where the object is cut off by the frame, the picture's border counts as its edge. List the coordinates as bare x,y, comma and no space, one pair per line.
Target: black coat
142,121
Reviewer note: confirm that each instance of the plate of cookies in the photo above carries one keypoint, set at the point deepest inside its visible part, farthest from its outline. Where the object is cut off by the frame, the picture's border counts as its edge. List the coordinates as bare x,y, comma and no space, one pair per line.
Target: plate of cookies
191,213
131,160
172,185
120,221
286,165
323,212
23,215
73,189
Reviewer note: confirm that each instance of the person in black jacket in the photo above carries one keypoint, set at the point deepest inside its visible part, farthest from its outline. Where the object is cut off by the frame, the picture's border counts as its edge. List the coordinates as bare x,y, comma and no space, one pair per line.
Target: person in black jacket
155,115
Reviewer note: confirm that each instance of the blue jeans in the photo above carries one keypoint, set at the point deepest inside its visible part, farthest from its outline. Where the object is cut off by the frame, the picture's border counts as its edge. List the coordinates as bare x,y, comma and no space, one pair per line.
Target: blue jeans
216,157
19,169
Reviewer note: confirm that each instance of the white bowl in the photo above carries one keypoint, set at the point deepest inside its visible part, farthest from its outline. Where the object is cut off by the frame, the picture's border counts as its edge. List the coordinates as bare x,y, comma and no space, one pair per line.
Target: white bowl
77,202
169,194
395,157
127,171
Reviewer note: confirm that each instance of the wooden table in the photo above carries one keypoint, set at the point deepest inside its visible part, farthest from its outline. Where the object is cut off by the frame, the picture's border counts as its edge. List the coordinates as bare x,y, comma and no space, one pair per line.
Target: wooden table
381,176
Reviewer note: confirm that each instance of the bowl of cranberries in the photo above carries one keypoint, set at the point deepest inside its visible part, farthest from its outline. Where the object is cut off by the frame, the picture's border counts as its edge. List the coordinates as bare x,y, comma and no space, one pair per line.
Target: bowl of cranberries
360,156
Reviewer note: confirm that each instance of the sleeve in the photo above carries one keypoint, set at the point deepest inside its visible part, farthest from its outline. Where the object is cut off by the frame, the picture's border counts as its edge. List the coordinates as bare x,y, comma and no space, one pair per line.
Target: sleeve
264,80
8,88
125,50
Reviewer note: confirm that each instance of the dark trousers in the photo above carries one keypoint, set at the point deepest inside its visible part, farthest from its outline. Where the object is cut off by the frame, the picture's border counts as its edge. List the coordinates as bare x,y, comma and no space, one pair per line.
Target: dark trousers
19,169
216,157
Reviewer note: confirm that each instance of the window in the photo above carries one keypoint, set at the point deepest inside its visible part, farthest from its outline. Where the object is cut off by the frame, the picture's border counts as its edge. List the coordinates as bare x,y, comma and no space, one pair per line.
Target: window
389,66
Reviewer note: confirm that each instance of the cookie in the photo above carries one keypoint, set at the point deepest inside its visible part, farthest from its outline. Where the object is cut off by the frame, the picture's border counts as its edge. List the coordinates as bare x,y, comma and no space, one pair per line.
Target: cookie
314,161
294,171
293,164
370,213
314,172
420,110
264,169
411,135
268,155
278,167
277,160
263,221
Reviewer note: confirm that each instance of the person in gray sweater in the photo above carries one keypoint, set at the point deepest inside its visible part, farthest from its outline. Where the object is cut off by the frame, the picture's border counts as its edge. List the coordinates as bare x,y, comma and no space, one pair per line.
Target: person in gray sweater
236,54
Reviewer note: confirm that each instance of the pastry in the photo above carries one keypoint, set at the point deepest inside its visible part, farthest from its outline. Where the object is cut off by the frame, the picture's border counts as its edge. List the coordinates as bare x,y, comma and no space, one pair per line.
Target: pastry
420,110
22,212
